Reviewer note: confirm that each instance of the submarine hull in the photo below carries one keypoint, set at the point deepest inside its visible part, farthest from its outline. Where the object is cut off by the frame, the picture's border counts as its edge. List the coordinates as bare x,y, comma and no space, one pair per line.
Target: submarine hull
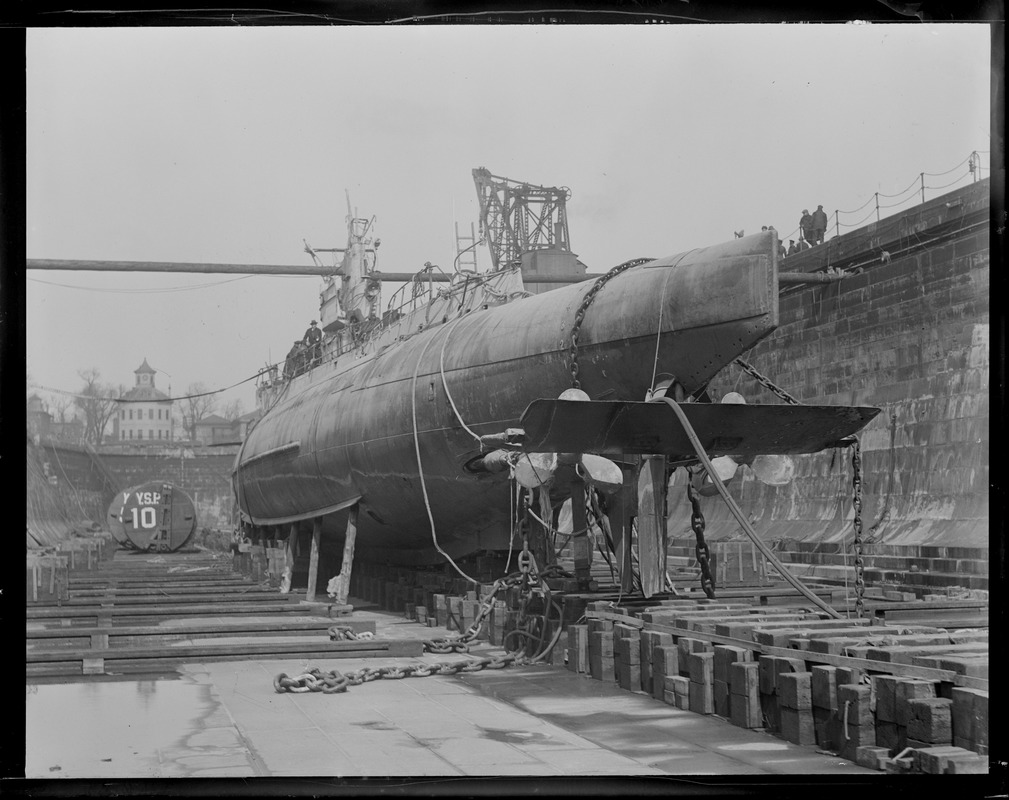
381,430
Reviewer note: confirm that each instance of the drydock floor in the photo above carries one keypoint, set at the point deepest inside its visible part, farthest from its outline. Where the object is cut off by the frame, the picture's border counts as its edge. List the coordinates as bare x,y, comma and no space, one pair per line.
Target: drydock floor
213,720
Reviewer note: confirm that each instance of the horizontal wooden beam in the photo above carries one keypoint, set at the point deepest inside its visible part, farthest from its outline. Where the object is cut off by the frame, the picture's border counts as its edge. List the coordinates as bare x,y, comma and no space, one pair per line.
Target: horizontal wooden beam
324,647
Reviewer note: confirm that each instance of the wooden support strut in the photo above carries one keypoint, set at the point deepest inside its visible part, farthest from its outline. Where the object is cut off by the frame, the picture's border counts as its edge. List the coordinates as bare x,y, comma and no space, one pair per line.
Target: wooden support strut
313,563
581,543
623,506
346,567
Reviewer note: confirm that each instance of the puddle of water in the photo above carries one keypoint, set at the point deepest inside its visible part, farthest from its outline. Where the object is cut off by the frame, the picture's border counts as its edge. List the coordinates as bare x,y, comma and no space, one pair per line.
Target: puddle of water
512,737
376,726
109,729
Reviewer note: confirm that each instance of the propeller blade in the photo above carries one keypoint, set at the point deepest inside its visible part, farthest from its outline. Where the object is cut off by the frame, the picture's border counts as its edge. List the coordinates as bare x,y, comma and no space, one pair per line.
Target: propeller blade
776,470
725,466
533,470
602,474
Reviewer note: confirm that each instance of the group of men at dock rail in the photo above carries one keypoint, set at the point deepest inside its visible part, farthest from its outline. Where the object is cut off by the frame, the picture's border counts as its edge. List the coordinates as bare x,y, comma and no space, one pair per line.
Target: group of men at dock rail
306,352
812,229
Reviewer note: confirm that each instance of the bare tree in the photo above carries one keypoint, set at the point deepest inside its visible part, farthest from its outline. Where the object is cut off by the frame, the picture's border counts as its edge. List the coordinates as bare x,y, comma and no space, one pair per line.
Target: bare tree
197,404
97,402
233,410
60,405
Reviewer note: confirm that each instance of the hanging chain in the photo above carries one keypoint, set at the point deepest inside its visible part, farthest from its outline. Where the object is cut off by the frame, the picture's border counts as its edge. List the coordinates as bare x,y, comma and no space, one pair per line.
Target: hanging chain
590,295
856,483
764,381
701,550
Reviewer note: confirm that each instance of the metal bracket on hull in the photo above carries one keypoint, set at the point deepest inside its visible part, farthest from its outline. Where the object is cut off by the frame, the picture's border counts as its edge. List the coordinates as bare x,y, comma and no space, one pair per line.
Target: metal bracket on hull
319,512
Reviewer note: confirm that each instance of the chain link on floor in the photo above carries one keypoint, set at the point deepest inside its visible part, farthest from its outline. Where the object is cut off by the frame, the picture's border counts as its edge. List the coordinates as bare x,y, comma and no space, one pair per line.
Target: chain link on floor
527,580
341,632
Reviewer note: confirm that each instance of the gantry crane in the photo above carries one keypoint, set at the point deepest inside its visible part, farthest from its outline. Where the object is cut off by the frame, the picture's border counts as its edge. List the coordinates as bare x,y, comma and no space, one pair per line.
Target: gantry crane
525,225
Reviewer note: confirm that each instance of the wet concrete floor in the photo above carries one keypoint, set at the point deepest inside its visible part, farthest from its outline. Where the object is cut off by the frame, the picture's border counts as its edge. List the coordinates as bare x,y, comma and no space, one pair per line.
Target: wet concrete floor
225,720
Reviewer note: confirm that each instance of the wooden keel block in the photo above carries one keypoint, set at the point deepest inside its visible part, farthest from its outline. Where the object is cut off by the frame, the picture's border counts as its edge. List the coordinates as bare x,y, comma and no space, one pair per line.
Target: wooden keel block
687,646
701,668
871,757
665,664
930,720
578,648
701,698
909,689
853,704
795,691
885,687
797,726
823,685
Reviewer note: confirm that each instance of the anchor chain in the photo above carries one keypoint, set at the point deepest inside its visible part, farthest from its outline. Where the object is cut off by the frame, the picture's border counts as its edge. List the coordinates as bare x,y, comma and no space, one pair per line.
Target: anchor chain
338,632
333,682
764,381
856,484
590,295
701,550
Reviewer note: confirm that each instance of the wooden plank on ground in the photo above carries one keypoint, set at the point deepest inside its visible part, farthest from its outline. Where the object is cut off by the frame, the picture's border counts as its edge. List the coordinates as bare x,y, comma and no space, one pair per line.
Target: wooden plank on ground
324,648
194,610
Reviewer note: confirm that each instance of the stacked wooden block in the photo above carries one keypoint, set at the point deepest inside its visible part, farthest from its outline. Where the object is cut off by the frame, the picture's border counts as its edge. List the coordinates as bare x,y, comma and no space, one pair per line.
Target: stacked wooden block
601,650
970,719
744,694
665,667
858,724
725,657
805,703
823,692
700,692
649,640
627,657
795,699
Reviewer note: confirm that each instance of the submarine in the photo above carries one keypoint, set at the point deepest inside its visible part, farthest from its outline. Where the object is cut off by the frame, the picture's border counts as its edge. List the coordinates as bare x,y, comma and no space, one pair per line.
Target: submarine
416,418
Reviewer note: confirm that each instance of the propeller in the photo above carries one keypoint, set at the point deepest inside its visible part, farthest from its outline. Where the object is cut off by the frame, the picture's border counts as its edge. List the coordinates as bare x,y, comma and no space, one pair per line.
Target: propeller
774,470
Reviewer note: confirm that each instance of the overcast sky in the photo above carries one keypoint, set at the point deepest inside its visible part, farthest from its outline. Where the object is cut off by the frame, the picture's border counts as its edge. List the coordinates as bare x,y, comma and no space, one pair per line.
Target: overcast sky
236,144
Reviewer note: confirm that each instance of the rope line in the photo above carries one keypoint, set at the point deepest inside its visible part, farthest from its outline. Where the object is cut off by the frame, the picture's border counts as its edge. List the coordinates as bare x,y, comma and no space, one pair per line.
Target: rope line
947,185
856,224
947,172
420,464
842,211
444,382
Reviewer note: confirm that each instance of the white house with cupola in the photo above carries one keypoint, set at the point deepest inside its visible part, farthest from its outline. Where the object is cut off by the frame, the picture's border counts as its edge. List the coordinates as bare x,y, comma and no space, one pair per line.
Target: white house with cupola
144,413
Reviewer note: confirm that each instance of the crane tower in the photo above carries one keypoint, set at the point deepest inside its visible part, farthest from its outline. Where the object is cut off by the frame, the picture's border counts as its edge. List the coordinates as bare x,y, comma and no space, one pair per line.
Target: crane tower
526,226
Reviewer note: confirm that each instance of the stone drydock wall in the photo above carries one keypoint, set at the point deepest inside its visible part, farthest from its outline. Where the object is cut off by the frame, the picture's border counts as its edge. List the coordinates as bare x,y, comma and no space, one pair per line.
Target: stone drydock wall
908,334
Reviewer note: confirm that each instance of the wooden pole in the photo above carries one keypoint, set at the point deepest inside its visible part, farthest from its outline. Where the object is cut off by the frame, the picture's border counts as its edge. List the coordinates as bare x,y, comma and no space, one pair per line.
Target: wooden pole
619,515
581,542
313,563
343,579
652,524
